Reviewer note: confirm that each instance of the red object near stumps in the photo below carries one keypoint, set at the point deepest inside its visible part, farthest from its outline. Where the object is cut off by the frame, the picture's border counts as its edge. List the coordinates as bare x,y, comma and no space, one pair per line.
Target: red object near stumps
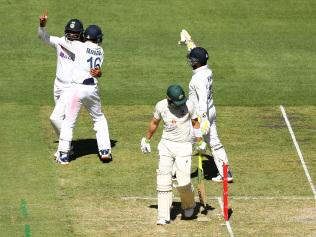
225,191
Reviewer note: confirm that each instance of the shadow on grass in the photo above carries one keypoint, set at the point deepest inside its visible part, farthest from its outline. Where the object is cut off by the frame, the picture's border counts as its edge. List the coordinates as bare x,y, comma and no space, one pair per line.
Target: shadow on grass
230,212
209,168
177,210
83,147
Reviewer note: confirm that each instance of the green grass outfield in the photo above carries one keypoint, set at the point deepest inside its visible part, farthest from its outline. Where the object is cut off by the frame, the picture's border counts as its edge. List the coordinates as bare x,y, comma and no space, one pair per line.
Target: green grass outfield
263,56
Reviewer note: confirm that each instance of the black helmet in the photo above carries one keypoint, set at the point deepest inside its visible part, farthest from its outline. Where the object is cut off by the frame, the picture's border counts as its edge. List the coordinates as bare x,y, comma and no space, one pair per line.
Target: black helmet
175,95
93,33
198,55
74,29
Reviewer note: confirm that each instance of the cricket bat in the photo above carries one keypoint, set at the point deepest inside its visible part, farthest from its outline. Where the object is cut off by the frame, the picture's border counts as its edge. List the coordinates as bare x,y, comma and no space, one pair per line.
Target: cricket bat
201,187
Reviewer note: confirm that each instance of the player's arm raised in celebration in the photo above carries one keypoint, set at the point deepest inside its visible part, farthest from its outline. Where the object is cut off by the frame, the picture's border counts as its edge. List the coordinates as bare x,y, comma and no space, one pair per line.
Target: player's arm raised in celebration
41,32
185,38
43,19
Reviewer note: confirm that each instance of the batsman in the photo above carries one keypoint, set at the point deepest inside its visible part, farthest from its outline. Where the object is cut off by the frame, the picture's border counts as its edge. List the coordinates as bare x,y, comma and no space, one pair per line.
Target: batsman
175,150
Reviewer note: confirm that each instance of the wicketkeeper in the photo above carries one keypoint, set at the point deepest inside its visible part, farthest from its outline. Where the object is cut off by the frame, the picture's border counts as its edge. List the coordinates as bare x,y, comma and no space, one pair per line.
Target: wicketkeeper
201,94
175,150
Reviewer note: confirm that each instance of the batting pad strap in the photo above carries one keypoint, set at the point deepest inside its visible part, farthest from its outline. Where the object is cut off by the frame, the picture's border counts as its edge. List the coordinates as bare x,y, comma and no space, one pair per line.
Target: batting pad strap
164,181
197,132
187,196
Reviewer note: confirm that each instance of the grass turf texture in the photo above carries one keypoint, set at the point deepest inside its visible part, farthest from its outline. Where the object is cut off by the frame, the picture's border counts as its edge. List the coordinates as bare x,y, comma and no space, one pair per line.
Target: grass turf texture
262,54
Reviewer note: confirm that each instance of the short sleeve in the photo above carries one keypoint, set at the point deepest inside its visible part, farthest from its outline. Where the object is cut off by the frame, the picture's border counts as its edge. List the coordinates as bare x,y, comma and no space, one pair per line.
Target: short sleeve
192,110
157,113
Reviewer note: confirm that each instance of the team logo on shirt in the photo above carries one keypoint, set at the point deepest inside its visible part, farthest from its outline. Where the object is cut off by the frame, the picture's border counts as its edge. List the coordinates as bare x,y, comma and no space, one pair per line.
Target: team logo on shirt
65,56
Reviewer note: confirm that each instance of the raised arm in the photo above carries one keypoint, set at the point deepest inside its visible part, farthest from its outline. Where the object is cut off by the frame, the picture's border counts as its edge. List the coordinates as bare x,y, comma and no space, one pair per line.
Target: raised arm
42,33
185,38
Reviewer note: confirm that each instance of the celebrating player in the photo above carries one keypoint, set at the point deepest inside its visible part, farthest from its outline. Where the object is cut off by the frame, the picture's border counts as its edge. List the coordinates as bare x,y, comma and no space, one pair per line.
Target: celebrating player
84,91
73,31
200,93
175,150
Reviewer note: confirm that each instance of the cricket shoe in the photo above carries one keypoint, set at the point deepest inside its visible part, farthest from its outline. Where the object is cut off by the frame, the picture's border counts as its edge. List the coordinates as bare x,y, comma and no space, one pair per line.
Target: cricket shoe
63,158
190,213
71,152
162,221
219,178
105,155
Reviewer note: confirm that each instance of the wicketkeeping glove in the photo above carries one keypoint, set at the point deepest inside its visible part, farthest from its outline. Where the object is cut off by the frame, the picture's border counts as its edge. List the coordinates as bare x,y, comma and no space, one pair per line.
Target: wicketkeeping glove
145,145
204,124
185,38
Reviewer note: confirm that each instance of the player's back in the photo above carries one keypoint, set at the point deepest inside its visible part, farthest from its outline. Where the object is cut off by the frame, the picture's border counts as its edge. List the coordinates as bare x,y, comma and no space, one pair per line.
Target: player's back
87,55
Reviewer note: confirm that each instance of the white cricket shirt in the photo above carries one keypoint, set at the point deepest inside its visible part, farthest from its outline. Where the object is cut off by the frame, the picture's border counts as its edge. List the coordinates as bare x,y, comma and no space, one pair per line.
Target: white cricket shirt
64,65
87,55
200,89
177,121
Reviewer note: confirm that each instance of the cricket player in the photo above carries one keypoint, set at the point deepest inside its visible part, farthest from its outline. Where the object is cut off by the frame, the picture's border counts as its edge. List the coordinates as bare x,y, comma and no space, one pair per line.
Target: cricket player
73,31
200,93
175,149
84,91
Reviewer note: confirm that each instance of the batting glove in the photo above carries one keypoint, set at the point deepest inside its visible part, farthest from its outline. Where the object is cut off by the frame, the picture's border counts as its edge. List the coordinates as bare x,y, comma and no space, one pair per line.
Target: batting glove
200,146
204,124
185,38
145,145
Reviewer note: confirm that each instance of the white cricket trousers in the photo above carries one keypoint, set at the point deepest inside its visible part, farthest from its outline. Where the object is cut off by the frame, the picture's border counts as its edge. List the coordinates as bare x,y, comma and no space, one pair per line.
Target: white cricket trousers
61,91
88,96
177,155
212,139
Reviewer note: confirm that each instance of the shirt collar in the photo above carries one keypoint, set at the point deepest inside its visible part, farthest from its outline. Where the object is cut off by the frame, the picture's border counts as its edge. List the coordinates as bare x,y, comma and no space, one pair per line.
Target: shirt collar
200,69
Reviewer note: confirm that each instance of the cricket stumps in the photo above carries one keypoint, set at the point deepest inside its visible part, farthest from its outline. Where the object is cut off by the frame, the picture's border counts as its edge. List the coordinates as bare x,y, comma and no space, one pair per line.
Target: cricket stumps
225,192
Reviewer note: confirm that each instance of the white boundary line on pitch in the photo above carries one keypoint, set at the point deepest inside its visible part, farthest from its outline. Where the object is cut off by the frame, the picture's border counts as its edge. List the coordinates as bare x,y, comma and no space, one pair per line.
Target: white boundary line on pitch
298,150
229,228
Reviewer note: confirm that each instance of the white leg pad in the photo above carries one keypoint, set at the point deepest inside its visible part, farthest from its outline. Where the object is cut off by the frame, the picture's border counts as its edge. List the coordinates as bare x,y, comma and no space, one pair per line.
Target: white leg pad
164,204
164,188
164,181
187,196
220,157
